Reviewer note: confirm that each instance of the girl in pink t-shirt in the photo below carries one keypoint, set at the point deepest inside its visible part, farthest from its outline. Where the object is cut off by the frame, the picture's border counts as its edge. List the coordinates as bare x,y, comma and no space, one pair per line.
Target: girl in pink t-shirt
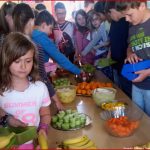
22,94
80,36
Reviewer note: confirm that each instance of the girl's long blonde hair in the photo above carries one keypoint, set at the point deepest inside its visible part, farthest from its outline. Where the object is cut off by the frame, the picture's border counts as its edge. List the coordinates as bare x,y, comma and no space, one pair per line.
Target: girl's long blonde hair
15,45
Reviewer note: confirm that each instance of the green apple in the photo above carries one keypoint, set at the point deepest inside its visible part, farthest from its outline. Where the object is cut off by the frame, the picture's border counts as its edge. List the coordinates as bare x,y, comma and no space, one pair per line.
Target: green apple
68,111
54,119
77,123
72,125
72,120
66,119
83,121
60,116
65,126
59,124
61,120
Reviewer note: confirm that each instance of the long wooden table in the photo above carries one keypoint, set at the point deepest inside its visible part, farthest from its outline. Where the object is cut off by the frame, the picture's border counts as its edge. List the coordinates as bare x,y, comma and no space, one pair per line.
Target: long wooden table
96,130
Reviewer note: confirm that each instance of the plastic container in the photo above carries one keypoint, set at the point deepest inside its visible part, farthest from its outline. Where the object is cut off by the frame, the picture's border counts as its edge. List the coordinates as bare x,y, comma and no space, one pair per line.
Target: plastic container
66,94
103,95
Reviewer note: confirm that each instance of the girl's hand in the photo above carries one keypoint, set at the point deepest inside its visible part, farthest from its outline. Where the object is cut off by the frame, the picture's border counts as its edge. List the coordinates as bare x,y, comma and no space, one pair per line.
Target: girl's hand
132,58
57,102
15,122
59,105
142,74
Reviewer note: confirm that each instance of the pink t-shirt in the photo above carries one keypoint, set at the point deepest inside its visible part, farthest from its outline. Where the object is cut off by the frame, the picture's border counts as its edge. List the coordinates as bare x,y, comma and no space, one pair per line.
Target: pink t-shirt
81,42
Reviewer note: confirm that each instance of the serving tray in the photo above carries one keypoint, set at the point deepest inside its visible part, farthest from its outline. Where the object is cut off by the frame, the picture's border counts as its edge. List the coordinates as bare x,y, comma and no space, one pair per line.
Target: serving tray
88,122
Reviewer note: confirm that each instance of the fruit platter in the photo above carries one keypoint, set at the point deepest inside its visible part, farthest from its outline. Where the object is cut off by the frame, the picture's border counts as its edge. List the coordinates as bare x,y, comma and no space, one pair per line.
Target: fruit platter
113,105
61,82
85,89
68,120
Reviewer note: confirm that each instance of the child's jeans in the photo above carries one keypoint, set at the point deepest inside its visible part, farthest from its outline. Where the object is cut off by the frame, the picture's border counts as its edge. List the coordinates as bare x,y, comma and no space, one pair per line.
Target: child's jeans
142,98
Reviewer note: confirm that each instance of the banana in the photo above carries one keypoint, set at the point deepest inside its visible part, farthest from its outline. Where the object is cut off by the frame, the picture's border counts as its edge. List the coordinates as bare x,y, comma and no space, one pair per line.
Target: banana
87,145
42,140
4,140
75,140
92,147
79,144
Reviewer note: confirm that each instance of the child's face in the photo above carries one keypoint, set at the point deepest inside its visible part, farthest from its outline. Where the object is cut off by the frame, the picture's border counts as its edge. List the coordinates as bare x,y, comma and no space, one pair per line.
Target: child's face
60,15
21,68
47,28
81,20
29,27
96,22
135,15
114,14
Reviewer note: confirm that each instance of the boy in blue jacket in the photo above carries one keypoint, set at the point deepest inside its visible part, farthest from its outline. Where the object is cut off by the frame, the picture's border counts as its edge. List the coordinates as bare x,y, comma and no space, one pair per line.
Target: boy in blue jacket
44,23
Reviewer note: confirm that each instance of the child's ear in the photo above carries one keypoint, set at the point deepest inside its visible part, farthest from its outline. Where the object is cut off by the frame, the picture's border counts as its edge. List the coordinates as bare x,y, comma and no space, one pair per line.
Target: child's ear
142,6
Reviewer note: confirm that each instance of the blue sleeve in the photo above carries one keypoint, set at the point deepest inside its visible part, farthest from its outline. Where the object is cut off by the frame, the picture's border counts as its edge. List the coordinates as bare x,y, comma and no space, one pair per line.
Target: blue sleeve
51,50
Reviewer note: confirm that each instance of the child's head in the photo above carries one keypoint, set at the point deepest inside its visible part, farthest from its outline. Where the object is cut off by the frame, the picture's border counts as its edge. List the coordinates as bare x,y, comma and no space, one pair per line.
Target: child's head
23,18
134,11
60,12
81,18
40,7
18,60
94,19
99,7
88,5
6,21
45,22
110,9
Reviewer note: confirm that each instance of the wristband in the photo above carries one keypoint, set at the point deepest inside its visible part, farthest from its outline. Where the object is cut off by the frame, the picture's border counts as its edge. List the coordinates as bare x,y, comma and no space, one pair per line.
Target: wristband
4,120
44,127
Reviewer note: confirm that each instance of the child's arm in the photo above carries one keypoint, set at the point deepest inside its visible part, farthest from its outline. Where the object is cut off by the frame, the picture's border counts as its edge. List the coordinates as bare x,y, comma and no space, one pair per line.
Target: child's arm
91,44
57,102
45,118
103,44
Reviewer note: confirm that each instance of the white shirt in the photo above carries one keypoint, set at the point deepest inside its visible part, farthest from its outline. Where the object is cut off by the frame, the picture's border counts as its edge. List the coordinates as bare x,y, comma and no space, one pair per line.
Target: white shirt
25,105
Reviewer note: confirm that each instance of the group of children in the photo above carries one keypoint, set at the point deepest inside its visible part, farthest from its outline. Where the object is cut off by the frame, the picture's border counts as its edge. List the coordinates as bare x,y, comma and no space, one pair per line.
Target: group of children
26,47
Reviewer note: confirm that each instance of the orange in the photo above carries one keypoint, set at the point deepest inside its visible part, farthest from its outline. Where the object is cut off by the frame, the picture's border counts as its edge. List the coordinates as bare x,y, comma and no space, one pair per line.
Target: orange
89,92
83,92
109,84
87,87
79,91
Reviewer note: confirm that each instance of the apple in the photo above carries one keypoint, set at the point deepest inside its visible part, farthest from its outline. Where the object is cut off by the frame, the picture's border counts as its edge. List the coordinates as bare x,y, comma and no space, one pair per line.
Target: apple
66,119
54,119
68,111
72,125
65,126
77,123
58,124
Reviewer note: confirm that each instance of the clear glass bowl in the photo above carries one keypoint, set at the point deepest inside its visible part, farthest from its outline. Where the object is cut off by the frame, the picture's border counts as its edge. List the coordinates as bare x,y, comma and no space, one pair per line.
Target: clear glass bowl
101,95
122,122
66,94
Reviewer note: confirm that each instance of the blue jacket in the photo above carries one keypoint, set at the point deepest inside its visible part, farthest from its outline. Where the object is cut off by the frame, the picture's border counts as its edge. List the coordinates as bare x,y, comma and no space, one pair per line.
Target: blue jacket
51,51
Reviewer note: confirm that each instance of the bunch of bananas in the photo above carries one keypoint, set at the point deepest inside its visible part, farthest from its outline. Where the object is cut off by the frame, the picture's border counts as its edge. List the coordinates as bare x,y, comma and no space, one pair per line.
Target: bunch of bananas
4,140
82,142
145,146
